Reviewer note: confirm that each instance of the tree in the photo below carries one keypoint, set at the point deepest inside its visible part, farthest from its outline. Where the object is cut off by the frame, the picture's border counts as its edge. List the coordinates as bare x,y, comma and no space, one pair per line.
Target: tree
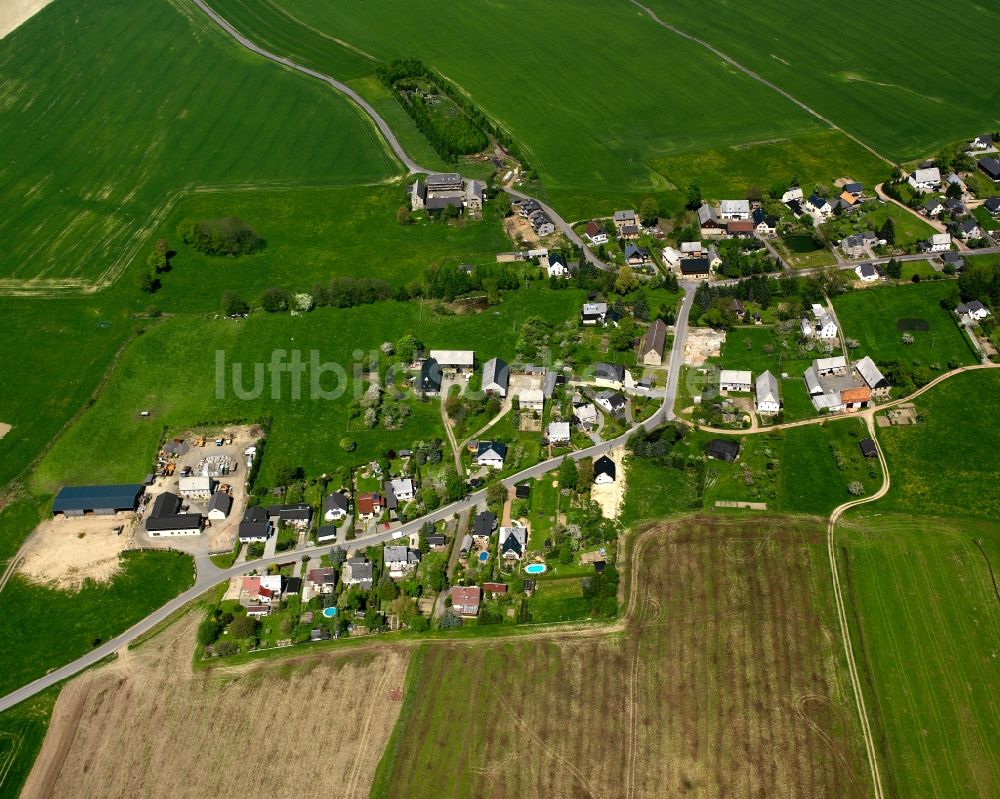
888,231
275,300
649,212
856,488
406,348
348,445
693,202
148,283
431,498
209,631
233,304
585,473
625,281
403,216
954,191
568,474
496,494
243,626
894,269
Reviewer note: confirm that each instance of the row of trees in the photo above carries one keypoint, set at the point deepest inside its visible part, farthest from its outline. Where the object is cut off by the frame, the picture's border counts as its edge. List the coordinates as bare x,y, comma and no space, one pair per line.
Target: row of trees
228,235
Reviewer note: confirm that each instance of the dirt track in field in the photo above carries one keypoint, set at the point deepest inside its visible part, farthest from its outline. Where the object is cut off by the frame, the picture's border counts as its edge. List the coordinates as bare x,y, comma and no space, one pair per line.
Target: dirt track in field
147,726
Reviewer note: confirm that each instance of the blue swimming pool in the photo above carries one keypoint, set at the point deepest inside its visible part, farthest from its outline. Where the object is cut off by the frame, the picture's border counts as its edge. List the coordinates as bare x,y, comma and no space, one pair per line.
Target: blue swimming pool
484,556
329,612
535,568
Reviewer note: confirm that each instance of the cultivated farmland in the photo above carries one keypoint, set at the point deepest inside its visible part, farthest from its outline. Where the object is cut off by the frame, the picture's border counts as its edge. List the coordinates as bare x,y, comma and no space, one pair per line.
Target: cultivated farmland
112,110
146,725
726,682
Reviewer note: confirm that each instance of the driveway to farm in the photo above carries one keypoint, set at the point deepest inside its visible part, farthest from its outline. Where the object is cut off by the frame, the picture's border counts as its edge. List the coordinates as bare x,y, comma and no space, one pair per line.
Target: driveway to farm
391,140
208,575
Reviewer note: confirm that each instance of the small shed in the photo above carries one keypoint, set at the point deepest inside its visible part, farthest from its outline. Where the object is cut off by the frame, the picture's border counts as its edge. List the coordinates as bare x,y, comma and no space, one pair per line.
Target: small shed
868,448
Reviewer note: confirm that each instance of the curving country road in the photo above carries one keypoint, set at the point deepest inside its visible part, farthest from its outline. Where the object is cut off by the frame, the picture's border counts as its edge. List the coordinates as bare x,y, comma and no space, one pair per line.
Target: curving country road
209,575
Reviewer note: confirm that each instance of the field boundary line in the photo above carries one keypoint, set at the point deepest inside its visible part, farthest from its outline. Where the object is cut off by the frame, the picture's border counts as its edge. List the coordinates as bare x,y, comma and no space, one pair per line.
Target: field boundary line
760,79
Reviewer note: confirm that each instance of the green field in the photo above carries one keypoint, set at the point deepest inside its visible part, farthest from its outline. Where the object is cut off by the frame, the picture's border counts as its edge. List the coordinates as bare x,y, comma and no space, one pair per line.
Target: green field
922,268
905,106
112,110
925,622
41,628
655,492
802,252
22,730
171,372
873,317
591,126
313,235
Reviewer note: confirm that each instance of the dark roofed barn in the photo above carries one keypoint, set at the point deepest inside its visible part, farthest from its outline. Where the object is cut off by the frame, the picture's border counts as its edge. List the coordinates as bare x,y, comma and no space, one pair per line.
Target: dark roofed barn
723,450
99,500
868,448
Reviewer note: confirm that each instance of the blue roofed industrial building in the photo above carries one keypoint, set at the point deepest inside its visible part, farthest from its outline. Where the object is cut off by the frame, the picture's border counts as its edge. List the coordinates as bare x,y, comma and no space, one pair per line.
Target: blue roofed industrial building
99,500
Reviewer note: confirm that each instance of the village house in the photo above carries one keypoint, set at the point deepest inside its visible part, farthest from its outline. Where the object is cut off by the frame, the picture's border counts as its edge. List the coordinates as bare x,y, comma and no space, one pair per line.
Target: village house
969,229
513,542
358,571
854,188
483,526
449,189
624,219
990,167
984,142
403,488
298,515
496,377
637,256
596,234
465,600
542,224
975,311
255,526
709,222
867,273
992,205
740,228
826,326
611,401
856,245
585,414
609,375
531,399
558,432
430,377
336,507
940,242
768,399
605,470
872,378
734,209
714,259
322,580
933,207
794,194
925,180
652,344
764,225
455,362
854,399
734,380
400,560
836,365
593,313
691,248
326,533
490,454
671,257
165,519
696,268
219,506
370,505
818,206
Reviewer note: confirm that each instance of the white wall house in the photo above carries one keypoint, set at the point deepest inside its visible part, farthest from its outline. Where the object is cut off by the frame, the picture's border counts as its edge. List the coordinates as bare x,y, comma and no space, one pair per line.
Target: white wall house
735,380
940,242
195,487
734,209
924,180
767,396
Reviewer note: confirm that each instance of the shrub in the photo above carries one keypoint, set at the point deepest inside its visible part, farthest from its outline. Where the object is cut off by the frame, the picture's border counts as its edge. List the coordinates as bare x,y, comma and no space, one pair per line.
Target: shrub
228,235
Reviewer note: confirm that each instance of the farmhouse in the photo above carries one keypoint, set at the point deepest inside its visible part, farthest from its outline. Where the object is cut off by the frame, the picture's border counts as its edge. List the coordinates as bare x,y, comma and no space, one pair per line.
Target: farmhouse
723,449
465,600
691,248
735,380
255,526
825,367
709,222
612,402
370,505
585,414
990,167
556,266
714,260
596,234
165,518
336,507
455,362
855,398
445,190
974,310
766,390
558,432
196,487
764,225
671,257
854,188
531,399
513,541
490,454
697,268
826,326
740,228
104,500
872,378
430,377
847,201
653,342
400,560
605,470
623,219
219,506
609,375
593,313
734,209
496,376
925,180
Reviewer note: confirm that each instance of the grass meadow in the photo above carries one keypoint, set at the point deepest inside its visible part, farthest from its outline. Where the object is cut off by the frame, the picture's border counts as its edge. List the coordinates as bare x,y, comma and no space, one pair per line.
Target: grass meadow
111,109
903,105
723,681
22,730
593,123
925,621
171,371
41,628
872,316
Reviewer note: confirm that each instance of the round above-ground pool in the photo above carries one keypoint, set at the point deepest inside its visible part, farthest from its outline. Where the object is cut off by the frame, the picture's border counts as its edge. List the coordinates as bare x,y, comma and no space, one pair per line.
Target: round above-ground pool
535,568
329,612
484,556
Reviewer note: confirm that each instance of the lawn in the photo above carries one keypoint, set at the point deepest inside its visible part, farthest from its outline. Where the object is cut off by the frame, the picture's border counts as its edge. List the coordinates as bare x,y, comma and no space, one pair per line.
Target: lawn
22,730
315,234
41,628
922,268
947,466
908,228
877,318
654,492
604,117
923,609
172,373
731,624
802,252
904,113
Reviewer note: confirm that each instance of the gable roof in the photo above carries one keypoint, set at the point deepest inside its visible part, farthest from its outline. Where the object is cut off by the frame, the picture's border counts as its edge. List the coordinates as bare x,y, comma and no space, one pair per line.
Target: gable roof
609,371
859,394
496,372
870,373
593,229
766,387
624,216
336,501
221,501
513,539
739,226
706,213
655,337
115,497
734,207
167,504
484,523
695,266
491,447
604,465
927,175
991,166
723,449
